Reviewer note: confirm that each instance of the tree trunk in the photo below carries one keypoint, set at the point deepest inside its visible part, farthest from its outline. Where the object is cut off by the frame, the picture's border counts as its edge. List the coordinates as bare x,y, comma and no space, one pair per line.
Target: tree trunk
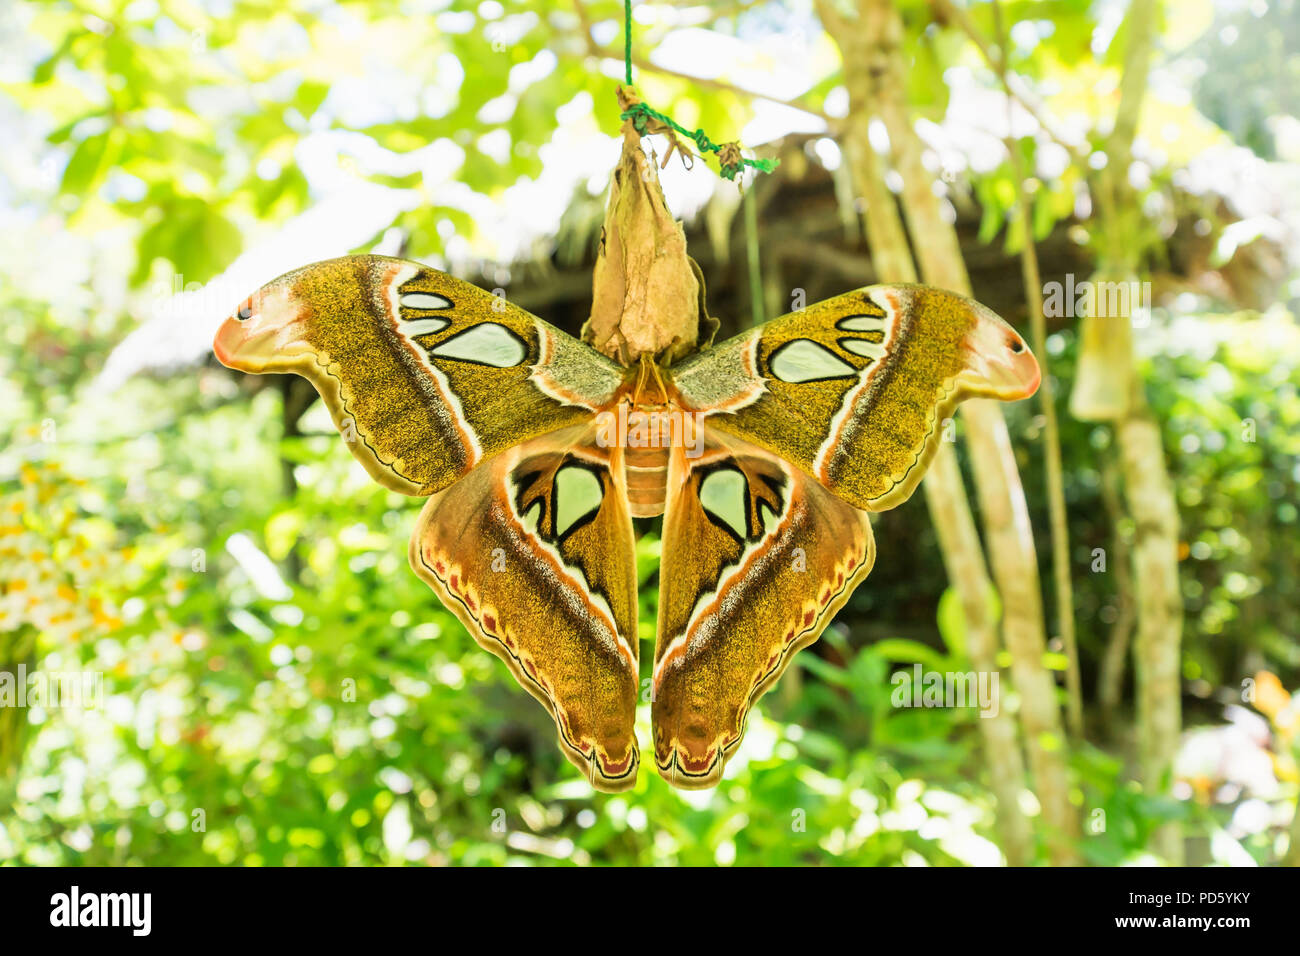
944,491
1160,608
959,541
1148,488
1061,570
1005,512
1110,682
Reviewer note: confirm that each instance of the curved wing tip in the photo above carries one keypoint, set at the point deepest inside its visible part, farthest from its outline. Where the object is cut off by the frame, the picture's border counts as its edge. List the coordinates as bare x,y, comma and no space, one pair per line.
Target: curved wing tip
611,777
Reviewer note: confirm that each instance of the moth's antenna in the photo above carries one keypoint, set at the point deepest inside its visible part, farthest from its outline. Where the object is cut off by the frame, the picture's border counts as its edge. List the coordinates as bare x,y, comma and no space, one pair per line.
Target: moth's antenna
657,372
640,381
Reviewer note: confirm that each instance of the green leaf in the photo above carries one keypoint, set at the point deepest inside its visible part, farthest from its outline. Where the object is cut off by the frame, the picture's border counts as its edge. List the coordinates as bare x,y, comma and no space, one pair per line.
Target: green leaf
197,239
952,619
952,622
83,169
44,71
310,96
900,650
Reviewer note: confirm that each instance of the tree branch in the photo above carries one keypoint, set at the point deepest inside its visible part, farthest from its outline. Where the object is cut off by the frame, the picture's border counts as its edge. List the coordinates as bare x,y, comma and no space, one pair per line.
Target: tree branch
1051,429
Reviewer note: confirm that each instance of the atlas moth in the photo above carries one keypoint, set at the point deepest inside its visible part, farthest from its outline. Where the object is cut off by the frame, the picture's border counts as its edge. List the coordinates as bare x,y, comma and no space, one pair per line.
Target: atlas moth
776,446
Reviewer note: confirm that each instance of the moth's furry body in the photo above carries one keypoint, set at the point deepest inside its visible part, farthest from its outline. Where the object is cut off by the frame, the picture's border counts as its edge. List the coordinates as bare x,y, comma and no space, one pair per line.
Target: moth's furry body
764,454
646,471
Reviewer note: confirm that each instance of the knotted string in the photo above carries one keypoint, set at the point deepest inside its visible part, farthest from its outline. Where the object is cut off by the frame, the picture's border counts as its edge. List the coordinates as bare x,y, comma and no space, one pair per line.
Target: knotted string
730,162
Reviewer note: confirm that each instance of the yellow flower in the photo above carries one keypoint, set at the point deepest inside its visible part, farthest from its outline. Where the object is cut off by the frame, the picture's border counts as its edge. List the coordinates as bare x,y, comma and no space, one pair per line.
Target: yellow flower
1272,700
1270,696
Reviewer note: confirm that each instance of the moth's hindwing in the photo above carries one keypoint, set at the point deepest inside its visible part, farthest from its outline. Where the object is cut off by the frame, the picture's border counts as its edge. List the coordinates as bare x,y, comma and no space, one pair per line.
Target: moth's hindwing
855,390
533,550
424,375
757,559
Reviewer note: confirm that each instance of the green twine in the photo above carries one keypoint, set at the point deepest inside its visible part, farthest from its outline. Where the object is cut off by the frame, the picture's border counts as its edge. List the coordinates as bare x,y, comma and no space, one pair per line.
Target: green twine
640,114
627,39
